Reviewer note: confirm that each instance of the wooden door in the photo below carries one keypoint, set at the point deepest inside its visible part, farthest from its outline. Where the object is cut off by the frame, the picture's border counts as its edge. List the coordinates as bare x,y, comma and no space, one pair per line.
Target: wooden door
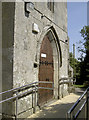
46,70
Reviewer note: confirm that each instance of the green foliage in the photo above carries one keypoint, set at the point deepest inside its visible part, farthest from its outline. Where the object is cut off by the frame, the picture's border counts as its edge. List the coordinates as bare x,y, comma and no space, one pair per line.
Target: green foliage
81,68
74,63
79,86
86,83
85,34
84,59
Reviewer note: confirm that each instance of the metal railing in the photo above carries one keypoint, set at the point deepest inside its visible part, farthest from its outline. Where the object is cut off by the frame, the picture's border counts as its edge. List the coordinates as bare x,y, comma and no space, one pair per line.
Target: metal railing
25,90
29,89
65,80
74,116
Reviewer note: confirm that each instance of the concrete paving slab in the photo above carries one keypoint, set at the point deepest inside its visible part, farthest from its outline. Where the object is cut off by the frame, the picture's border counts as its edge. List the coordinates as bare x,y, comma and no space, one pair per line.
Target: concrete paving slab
58,108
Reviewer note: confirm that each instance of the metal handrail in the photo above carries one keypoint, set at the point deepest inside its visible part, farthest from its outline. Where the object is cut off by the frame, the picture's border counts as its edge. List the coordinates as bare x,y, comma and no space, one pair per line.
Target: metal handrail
18,89
17,94
65,80
74,117
11,98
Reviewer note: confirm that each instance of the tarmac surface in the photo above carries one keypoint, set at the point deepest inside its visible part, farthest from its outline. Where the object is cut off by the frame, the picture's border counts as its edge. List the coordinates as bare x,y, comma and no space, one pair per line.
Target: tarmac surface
59,108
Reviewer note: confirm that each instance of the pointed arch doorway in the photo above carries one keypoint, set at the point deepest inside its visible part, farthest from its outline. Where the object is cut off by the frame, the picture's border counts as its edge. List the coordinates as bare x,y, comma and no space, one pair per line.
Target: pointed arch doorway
46,70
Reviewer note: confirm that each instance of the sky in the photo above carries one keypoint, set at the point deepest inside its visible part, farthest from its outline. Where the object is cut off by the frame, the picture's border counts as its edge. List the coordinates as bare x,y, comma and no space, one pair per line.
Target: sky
77,18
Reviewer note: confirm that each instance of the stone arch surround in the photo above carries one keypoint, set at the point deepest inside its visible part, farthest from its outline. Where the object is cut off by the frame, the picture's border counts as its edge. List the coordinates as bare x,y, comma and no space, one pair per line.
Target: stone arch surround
57,56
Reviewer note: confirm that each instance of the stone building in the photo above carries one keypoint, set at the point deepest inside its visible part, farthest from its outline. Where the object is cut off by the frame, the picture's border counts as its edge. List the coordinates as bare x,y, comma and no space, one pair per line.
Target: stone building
34,48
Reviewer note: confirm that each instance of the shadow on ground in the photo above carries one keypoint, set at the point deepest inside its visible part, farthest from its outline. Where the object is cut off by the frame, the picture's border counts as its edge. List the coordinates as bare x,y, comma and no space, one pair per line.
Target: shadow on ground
59,109
54,111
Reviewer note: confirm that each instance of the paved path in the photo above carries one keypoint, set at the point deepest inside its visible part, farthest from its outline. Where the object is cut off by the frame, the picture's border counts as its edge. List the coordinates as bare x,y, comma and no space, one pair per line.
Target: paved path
58,108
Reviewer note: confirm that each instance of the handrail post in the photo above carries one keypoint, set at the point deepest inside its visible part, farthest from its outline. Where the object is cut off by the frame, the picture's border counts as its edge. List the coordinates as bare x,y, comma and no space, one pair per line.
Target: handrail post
69,86
34,100
52,85
87,105
69,116
37,95
16,105
86,109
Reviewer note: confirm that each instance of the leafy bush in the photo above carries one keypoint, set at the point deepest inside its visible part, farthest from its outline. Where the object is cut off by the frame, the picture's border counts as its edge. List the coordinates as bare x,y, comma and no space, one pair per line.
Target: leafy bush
86,83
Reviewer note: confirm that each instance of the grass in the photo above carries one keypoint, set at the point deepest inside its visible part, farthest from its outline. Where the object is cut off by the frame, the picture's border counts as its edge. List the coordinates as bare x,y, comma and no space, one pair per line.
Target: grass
79,86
